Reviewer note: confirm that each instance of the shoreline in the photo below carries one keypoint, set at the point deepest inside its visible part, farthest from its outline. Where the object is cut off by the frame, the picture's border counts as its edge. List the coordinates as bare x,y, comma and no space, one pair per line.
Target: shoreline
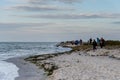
54,63
27,70
46,66
66,65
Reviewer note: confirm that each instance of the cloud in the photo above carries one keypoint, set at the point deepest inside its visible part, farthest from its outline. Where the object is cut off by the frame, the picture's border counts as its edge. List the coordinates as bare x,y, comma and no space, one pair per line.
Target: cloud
14,26
43,27
46,1
74,16
39,8
23,24
43,5
117,22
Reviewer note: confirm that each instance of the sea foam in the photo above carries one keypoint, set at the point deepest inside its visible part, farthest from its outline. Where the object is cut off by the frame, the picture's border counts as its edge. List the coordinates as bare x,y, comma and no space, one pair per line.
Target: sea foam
8,71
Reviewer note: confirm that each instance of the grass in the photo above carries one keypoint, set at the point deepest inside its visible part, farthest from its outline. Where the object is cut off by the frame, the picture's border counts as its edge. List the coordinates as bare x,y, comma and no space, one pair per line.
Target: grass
82,48
112,42
109,44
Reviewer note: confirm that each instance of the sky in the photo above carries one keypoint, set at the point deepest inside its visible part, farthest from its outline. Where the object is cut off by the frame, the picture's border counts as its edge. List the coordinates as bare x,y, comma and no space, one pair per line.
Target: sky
58,20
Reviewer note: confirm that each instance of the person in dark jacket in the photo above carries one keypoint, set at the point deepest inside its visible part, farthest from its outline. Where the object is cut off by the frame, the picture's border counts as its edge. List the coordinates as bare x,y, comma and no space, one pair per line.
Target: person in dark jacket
94,44
102,43
76,42
80,41
90,40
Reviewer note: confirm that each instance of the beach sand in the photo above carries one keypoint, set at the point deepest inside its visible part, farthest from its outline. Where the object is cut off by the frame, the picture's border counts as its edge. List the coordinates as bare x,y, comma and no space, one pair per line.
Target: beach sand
101,64
81,67
27,71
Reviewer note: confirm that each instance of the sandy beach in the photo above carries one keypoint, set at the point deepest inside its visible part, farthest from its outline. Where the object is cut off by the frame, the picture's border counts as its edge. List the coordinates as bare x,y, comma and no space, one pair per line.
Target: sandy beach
102,64
80,63
27,70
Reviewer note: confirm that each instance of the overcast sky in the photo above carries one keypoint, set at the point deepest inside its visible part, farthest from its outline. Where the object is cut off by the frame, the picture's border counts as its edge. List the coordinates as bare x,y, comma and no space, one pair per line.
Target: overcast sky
59,20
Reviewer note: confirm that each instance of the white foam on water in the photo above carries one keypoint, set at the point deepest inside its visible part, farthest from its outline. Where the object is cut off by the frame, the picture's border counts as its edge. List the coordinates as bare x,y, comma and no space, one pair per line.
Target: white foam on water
8,71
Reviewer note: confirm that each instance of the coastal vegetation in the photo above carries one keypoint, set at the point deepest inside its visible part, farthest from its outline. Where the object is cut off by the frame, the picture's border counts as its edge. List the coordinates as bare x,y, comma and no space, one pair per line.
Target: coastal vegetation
40,61
109,44
112,42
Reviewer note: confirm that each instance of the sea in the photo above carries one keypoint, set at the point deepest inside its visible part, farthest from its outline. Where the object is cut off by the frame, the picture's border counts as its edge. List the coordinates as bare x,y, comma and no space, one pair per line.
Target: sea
9,71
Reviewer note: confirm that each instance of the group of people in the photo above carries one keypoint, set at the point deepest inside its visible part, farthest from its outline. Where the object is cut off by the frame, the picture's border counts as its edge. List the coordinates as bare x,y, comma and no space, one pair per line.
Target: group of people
99,42
77,42
74,42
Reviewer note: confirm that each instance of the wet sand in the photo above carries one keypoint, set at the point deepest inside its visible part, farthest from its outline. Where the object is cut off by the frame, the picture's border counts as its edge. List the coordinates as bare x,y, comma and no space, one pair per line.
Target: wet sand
27,71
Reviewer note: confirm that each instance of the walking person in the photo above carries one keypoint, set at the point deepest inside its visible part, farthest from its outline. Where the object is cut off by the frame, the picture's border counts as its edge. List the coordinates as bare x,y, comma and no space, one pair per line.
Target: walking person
98,41
94,44
90,40
80,41
102,42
